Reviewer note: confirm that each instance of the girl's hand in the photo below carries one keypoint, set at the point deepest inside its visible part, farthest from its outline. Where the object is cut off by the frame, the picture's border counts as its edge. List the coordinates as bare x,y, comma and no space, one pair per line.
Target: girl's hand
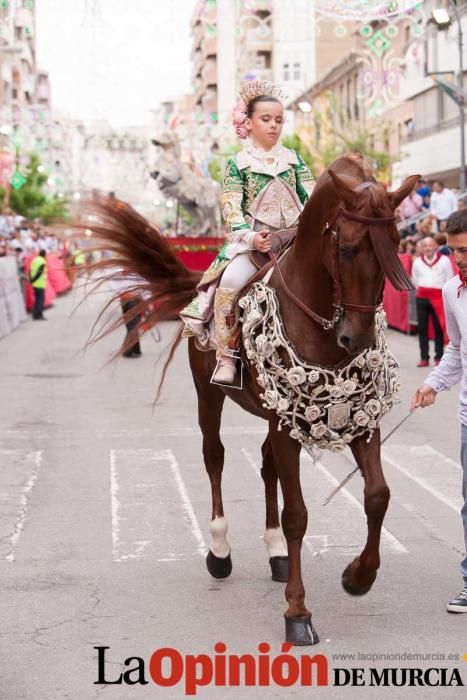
262,241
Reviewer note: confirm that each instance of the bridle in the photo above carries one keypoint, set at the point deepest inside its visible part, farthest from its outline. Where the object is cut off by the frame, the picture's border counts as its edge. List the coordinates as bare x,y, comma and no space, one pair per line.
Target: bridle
339,305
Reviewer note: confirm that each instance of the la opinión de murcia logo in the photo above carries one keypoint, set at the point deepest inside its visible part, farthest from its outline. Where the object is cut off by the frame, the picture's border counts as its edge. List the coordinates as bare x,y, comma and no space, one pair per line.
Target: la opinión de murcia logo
168,667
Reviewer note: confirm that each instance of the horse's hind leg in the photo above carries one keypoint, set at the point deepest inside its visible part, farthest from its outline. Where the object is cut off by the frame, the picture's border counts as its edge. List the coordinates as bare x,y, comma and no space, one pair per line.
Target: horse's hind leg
273,536
360,574
210,403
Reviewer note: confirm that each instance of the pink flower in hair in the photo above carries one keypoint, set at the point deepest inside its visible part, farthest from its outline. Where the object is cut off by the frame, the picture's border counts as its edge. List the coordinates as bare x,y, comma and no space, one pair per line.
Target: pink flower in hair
238,119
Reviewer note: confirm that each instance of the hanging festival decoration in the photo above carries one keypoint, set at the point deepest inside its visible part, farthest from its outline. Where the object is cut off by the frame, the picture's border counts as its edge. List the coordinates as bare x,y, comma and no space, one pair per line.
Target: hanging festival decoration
17,180
363,10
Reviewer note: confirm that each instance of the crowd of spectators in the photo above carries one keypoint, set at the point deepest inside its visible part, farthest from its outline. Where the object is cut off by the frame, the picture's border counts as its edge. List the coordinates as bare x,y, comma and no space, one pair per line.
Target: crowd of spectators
20,237
424,214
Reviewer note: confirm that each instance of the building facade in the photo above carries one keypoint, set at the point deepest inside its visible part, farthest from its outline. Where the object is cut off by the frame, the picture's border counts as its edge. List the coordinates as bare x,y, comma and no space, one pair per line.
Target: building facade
382,87
237,40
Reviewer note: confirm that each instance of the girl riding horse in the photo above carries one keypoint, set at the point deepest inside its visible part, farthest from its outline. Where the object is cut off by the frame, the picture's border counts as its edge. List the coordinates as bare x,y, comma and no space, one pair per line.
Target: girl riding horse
265,188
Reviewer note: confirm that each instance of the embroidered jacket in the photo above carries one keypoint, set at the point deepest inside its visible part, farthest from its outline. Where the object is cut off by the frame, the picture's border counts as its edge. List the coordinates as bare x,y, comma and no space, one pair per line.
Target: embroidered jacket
266,188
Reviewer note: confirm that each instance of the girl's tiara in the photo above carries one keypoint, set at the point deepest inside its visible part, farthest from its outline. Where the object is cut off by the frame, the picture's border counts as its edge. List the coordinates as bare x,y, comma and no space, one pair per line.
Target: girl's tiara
254,88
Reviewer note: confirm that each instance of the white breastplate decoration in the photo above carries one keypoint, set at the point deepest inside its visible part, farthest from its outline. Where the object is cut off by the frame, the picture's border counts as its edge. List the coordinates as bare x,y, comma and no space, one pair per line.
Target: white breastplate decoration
325,408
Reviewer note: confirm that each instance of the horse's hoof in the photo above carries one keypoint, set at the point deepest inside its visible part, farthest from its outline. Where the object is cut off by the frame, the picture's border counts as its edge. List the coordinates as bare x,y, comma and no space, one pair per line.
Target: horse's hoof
219,567
300,631
279,568
351,587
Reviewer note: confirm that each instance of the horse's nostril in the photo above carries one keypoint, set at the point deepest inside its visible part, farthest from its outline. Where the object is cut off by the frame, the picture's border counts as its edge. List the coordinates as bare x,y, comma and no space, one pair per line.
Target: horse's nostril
345,340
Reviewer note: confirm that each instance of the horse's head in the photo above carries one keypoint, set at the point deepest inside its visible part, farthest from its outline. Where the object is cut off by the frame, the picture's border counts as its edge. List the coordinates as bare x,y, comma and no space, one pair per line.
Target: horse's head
360,250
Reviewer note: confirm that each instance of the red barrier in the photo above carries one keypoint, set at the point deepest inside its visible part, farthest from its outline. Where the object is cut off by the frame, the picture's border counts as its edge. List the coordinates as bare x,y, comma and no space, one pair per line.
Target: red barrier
396,304
57,276
196,253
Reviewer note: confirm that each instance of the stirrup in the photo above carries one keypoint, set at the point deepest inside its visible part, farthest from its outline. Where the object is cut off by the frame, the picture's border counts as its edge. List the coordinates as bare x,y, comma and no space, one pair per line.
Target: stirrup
239,375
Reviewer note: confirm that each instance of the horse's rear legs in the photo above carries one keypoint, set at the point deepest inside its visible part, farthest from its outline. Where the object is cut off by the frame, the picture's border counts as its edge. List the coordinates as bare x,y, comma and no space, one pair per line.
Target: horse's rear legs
273,536
359,575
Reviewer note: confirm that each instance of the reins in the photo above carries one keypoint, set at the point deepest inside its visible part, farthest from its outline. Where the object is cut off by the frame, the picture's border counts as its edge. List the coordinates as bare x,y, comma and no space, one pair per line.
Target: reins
339,305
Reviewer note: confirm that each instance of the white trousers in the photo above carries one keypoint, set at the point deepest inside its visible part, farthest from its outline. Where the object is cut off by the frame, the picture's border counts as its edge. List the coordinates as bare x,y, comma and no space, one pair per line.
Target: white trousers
238,272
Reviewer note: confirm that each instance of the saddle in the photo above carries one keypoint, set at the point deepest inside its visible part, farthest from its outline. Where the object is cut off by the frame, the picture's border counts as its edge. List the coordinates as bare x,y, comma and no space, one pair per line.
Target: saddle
281,240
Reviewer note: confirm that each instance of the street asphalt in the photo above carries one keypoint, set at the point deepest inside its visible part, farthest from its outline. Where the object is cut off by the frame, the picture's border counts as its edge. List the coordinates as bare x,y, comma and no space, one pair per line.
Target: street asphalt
104,511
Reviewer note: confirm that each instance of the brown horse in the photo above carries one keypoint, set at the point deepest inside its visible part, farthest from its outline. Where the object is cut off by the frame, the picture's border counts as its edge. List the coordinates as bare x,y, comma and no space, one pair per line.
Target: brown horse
328,286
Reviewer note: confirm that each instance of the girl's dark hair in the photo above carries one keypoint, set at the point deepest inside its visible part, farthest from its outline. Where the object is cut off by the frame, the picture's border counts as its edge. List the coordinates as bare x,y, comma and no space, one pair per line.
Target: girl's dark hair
261,98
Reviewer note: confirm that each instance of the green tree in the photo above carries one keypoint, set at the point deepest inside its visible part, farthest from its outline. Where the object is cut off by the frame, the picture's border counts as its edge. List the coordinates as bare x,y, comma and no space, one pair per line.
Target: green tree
296,144
347,134
216,165
31,201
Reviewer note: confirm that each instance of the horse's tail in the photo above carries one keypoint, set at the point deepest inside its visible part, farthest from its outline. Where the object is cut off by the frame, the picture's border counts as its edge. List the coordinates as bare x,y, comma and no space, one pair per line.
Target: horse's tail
157,280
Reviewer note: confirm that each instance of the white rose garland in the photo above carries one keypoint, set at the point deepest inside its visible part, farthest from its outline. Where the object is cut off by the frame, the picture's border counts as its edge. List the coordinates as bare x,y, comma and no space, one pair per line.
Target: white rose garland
303,394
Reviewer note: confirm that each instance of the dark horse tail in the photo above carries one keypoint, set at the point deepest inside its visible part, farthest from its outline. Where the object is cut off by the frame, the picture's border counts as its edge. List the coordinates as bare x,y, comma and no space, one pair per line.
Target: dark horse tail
139,253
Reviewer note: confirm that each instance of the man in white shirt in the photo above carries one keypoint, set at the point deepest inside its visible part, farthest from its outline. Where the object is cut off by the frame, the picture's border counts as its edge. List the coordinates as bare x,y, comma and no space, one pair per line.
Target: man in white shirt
453,367
430,272
443,203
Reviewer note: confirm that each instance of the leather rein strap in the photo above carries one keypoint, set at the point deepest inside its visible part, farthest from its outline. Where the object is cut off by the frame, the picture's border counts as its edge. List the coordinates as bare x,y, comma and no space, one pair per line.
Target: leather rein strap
339,306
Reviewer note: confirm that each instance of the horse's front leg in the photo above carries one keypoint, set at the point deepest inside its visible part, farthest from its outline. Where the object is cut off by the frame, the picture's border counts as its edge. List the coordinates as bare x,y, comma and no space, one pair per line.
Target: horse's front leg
298,627
210,404
273,535
360,575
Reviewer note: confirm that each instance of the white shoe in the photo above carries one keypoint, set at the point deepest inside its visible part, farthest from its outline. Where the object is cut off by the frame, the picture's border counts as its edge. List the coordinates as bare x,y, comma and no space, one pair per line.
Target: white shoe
226,370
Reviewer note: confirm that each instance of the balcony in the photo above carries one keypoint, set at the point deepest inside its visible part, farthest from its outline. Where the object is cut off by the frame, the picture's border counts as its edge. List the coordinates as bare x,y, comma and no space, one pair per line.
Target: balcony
209,73
263,5
209,47
198,34
257,41
198,61
209,100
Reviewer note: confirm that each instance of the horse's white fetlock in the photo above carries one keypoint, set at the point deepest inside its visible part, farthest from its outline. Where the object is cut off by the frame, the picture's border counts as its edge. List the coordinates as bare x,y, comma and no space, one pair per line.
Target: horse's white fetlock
275,542
219,544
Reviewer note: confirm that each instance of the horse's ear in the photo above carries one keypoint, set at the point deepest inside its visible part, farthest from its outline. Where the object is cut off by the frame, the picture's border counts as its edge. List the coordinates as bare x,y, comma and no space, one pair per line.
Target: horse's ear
344,187
404,190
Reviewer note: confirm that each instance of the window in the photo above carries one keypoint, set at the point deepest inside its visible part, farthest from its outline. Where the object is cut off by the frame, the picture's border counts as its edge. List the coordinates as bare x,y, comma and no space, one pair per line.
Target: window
296,71
286,71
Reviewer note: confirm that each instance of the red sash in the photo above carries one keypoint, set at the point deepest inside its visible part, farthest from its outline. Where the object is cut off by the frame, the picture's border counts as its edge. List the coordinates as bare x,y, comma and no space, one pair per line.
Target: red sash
435,296
437,257
462,285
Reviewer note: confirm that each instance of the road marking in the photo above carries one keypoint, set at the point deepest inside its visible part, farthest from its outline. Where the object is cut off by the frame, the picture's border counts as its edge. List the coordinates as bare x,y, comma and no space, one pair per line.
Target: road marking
424,484
114,505
311,542
391,539
420,449
11,490
323,540
134,433
144,521
195,528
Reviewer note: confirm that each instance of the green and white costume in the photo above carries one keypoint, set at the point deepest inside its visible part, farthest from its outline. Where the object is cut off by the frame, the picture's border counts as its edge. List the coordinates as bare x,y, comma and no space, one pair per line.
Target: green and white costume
261,190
